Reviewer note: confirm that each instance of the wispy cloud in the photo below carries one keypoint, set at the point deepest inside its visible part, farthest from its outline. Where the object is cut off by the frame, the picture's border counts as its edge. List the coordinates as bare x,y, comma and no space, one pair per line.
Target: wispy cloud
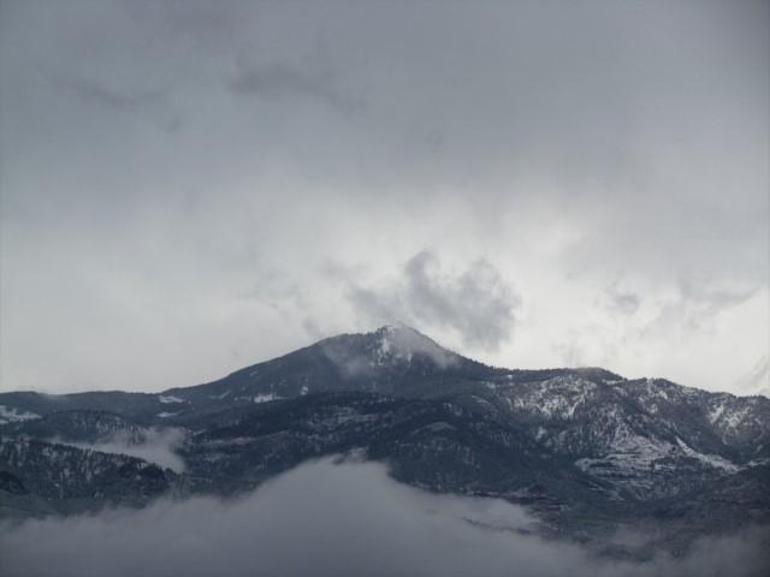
695,306
103,95
157,445
277,81
477,302
625,302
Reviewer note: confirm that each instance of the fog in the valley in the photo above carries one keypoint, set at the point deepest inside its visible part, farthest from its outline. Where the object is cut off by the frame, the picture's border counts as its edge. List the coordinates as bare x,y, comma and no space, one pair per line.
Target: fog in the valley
157,445
327,519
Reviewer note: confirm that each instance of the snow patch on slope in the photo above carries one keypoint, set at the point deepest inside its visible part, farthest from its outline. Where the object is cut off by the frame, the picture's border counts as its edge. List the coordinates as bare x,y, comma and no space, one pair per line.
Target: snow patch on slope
559,397
13,415
265,398
711,460
403,343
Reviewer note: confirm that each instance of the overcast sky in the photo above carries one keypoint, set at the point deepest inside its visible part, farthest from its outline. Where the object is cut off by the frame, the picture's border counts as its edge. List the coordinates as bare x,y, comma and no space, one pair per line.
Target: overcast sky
191,187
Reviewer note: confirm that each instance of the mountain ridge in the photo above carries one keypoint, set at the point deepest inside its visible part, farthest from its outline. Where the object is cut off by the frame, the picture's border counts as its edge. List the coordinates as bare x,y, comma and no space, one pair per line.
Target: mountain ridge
384,329
585,448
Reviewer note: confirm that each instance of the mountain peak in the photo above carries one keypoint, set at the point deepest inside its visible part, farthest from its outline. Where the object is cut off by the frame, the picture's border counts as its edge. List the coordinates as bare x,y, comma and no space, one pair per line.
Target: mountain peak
404,342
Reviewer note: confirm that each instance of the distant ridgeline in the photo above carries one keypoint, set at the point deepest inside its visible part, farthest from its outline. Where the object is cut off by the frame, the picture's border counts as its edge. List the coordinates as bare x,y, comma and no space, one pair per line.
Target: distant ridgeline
584,449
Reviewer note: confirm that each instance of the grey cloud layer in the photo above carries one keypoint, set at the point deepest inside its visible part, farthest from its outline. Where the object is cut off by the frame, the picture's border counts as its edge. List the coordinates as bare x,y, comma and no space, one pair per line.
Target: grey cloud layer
277,81
325,519
477,303
160,160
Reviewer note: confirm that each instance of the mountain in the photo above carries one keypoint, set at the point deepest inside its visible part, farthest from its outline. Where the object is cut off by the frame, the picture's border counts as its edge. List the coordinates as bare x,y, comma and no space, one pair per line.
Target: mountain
585,449
391,360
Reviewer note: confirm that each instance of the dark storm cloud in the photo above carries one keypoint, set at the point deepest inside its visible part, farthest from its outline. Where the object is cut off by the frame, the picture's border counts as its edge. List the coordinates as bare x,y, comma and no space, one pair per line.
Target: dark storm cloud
476,302
329,520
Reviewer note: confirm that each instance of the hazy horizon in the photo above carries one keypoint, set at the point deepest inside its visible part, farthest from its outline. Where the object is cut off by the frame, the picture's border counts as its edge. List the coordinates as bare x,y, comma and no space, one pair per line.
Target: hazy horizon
228,370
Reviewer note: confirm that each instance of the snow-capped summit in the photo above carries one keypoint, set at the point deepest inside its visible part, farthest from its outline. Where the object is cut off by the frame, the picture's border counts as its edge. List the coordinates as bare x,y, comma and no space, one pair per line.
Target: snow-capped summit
402,342
385,360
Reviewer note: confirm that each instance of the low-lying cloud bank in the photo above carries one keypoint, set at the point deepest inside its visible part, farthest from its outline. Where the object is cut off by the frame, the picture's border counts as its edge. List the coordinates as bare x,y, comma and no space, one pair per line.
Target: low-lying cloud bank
324,519
158,446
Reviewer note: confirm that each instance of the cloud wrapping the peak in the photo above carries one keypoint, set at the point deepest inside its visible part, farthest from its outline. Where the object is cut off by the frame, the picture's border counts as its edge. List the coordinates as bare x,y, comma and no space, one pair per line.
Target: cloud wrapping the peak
476,303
